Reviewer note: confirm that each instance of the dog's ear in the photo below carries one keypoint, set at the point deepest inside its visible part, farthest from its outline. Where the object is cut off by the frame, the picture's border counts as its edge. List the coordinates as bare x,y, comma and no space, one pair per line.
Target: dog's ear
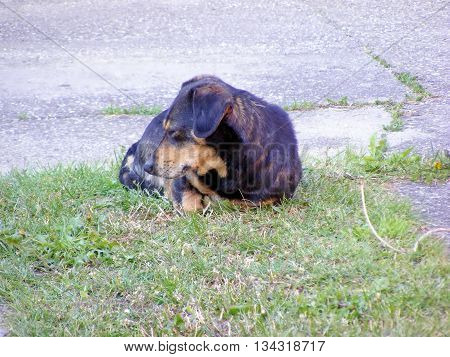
210,105
199,78
194,79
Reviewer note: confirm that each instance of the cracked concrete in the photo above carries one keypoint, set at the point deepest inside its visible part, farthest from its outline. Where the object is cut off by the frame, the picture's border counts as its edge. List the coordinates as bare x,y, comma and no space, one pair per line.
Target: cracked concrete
97,138
34,143
147,48
418,43
431,201
427,127
329,131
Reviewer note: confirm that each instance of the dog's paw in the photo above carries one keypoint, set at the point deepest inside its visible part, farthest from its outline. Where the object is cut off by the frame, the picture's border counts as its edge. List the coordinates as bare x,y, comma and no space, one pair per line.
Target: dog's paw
210,199
191,201
212,163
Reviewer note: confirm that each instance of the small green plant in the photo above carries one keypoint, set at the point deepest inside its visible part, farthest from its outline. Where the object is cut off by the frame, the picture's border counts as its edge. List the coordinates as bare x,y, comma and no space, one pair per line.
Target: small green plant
397,123
378,59
405,78
413,84
404,164
377,150
381,61
342,102
383,102
135,110
304,106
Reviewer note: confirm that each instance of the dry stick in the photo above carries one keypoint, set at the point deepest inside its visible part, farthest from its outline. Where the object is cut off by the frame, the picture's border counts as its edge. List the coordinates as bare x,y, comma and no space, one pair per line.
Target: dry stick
164,213
383,241
435,230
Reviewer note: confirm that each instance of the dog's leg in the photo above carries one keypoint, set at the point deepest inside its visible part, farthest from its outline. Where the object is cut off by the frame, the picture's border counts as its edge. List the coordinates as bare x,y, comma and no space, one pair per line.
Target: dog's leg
184,195
191,201
201,187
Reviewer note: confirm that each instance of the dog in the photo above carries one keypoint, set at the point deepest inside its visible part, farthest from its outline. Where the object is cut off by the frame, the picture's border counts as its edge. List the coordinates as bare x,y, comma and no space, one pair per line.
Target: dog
216,142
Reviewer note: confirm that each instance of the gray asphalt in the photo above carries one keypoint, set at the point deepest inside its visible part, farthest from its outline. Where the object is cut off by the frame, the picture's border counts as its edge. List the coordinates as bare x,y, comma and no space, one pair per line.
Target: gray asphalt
50,103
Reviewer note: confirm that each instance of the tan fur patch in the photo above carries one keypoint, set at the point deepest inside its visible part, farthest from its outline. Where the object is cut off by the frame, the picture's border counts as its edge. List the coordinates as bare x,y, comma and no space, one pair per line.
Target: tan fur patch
168,192
245,116
171,160
166,124
270,201
191,201
200,141
256,104
201,187
238,108
242,117
239,103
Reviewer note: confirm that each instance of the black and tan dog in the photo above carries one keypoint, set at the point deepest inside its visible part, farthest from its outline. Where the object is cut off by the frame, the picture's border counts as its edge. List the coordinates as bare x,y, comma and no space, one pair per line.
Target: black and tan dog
216,141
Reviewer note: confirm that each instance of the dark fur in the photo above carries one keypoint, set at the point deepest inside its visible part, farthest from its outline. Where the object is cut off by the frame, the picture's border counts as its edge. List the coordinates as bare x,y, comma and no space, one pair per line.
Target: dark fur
254,139
133,176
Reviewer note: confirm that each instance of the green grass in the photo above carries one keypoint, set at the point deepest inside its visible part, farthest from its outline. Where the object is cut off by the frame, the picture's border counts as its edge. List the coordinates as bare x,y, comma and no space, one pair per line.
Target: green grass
379,163
405,78
135,110
413,84
23,116
300,105
381,61
397,123
307,105
79,255
342,102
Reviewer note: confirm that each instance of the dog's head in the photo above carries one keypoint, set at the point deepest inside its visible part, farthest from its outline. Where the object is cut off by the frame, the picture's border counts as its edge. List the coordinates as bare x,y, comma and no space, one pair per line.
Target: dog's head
195,114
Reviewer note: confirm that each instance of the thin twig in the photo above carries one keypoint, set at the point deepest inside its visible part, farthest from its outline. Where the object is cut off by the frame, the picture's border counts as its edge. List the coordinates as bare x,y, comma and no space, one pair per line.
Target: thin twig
435,230
382,240
164,213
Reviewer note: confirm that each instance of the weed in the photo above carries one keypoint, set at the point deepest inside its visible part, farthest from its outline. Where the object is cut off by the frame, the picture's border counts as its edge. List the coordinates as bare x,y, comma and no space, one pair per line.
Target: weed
380,162
405,78
413,84
23,116
382,102
135,110
381,61
304,106
397,123
342,102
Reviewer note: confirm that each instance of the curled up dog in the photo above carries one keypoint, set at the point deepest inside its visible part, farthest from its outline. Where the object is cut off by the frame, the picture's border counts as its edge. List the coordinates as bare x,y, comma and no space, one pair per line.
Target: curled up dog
216,142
